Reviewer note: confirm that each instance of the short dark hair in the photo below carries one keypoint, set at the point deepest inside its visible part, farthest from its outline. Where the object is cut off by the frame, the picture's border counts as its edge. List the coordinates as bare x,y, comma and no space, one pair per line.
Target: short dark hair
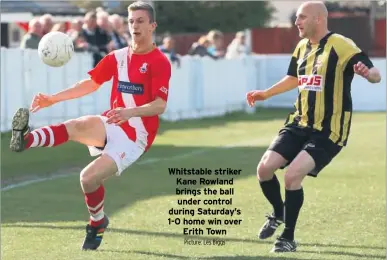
91,15
140,5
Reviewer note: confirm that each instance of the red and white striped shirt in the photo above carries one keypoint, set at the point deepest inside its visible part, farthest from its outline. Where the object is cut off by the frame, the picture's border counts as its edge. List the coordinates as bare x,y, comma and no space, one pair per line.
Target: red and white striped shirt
137,80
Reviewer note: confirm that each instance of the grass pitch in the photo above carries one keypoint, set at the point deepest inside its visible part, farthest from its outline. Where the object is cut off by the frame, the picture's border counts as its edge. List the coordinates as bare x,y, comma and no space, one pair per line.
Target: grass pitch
343,216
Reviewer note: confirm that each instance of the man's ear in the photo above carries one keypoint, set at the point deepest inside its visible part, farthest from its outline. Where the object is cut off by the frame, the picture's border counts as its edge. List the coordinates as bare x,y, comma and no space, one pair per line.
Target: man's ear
319,19
154,26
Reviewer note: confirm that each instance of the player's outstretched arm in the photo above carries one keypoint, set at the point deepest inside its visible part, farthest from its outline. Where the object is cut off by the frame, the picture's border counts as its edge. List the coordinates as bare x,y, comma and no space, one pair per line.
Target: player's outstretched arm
285,84
80,89
120,115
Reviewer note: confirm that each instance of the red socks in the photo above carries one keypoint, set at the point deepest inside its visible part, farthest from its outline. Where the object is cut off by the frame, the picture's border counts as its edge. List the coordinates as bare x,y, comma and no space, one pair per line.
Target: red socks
47,136
50,136
95,202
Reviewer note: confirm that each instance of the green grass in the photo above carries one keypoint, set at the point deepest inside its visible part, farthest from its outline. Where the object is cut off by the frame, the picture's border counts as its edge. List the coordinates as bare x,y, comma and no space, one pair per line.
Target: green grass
43,162
343,216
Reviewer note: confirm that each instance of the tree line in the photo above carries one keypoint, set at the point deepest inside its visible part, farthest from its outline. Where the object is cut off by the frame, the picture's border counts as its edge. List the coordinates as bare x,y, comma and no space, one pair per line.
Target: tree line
200,16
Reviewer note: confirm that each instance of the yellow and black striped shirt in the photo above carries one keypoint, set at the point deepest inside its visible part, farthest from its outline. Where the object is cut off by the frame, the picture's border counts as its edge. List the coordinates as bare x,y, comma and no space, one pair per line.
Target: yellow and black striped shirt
325,72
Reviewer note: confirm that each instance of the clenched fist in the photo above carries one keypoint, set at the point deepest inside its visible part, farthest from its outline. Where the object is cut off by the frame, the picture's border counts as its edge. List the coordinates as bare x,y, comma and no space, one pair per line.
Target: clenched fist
361,69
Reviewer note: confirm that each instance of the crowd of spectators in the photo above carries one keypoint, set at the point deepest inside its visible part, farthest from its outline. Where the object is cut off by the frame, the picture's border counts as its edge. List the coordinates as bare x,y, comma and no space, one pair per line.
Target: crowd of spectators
99,33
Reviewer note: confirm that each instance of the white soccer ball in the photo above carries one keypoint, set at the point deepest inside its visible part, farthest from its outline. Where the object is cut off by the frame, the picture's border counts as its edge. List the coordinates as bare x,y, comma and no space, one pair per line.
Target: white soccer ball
55,49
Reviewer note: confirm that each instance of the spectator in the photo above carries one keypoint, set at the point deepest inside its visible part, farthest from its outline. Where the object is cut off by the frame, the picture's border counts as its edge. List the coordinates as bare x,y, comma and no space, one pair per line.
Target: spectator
201,48
105,29
99,9
96,38
125,31
118,32
47,22
32,38
216,43
74,32
103,22
59,27
75,28
168,49
237,47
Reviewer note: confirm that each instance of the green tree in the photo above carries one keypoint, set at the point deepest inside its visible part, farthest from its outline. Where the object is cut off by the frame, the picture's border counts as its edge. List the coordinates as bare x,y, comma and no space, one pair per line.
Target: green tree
88,5
201,16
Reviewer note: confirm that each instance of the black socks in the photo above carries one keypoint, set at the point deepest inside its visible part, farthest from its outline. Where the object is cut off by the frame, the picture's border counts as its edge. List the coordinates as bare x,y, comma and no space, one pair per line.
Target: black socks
293,203
272,191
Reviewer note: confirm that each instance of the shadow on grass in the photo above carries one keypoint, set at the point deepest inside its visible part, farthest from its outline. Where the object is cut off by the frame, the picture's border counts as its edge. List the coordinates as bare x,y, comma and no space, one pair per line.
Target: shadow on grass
260,114
173,256
142,182
43,162
367,256
40,202
62,200
227,239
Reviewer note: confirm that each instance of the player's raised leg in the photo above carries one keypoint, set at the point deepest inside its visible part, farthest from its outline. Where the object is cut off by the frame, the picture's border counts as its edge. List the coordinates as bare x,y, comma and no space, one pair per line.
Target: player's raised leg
294,198
88,130
20,130
270,162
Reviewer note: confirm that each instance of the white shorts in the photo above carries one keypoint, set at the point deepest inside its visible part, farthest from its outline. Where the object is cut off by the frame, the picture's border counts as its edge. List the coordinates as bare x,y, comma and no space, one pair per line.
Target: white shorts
118,146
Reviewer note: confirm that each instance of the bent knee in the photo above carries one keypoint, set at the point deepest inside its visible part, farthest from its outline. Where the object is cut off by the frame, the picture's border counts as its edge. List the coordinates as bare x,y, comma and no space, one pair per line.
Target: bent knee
293,177
88,178
296,172
78,125
264,171
291,180
270,162
89,130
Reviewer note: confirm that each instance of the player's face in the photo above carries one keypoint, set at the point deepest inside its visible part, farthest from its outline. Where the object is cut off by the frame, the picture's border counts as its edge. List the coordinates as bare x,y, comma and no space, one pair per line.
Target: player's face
305,23
140,26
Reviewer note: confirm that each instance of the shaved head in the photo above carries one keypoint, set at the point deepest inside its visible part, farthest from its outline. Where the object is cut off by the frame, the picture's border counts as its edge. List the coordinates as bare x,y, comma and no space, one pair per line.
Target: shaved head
315,8
312,19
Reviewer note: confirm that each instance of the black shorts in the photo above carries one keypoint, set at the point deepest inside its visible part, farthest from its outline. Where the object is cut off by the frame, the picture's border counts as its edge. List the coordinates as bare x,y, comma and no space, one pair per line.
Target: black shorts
292,139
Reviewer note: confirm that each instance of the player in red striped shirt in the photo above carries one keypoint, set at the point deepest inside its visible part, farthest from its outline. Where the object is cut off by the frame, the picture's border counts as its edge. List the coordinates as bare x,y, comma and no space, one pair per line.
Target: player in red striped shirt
139,94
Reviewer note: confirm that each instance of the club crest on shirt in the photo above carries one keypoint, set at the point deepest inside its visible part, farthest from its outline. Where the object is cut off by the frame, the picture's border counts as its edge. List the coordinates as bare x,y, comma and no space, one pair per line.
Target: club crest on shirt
318,64
143,68
164,90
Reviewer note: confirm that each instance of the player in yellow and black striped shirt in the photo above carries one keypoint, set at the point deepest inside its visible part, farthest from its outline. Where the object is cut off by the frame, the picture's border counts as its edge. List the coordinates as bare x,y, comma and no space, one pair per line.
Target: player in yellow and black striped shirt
322,67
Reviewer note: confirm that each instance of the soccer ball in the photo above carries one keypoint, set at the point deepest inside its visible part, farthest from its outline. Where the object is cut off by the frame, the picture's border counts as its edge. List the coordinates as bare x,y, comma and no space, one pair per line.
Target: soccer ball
55,49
